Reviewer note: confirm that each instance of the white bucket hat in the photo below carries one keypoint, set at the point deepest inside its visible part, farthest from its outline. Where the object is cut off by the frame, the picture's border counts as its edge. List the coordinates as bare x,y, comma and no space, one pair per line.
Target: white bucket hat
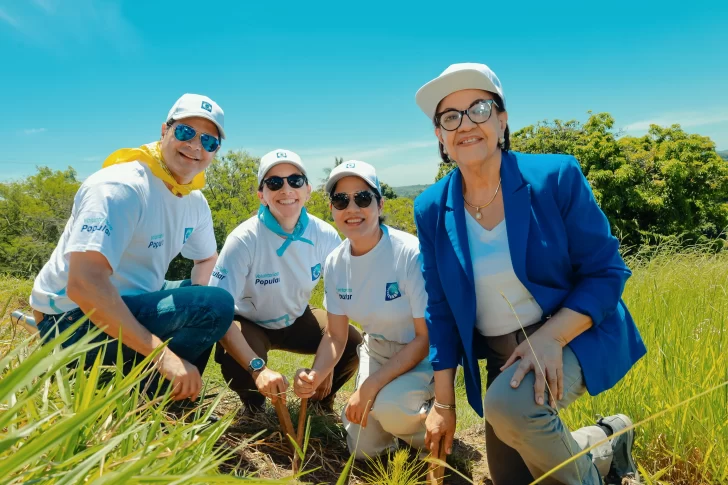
455,78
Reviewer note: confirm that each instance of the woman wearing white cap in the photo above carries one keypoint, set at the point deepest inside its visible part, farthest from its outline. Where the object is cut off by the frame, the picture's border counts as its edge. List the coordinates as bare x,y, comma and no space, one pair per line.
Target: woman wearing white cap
516,245
374,278
271,264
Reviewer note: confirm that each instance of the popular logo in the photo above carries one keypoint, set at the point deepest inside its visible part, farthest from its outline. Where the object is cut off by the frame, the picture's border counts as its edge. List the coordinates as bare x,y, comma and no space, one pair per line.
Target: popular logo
344,293
392,291
220,273
157,241
188,233
266,279
315,272
281,155
207,106
94,224
350,165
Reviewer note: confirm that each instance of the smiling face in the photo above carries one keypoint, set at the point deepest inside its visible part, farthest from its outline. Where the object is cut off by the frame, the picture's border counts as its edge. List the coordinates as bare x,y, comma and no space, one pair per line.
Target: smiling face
471,143
285,204
357,223
186,159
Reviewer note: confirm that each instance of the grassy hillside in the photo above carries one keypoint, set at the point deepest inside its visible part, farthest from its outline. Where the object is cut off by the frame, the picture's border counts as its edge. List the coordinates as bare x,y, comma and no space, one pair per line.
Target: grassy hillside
410,191
680,304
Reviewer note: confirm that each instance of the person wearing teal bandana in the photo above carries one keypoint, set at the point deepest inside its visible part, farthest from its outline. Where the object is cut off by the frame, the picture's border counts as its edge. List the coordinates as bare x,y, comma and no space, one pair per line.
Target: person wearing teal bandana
129,220
270,264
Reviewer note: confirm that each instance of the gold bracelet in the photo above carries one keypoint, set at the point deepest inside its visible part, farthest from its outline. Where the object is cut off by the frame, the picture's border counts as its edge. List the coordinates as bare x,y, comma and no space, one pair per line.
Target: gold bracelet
444,406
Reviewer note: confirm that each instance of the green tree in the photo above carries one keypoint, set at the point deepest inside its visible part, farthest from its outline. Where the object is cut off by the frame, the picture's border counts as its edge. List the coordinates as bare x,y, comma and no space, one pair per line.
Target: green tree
387,191
33,213
444,169
666,183
327,171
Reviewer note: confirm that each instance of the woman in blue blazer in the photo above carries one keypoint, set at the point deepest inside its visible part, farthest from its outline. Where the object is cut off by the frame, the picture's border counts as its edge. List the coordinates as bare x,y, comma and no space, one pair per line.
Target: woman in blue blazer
515,245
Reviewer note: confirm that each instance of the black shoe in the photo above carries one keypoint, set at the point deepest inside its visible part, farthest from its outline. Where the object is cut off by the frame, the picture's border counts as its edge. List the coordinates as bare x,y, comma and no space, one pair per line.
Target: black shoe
623,465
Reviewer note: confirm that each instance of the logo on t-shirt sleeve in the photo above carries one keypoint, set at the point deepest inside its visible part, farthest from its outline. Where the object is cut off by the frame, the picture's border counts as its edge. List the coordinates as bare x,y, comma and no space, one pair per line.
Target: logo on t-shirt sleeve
315,272
392,291
94,224
188,233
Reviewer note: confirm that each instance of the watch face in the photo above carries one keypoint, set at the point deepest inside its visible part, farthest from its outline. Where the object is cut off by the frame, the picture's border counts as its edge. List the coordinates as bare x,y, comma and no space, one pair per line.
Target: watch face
257,363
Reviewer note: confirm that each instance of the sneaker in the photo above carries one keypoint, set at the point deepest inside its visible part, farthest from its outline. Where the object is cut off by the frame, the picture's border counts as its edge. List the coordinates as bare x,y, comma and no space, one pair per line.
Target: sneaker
623,469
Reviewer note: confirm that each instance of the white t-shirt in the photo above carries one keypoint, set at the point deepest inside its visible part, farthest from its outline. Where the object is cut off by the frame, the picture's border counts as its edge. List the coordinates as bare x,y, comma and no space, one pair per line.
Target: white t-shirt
271,290
493,274
127,214
382,290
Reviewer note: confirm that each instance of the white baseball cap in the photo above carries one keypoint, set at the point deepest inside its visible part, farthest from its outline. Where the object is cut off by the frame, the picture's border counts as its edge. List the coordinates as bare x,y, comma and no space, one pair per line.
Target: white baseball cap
276,157
198,106
455,78
357,169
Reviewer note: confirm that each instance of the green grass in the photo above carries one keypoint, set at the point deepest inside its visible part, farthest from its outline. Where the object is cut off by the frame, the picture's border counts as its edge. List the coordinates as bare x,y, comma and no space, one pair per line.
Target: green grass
680,303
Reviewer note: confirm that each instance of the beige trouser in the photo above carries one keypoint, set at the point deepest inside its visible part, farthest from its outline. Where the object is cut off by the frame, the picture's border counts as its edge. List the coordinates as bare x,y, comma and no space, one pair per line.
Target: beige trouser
400,408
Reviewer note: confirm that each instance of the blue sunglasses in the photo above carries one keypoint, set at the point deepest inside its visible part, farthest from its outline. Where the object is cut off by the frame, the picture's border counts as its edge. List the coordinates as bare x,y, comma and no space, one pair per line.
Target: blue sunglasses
186,133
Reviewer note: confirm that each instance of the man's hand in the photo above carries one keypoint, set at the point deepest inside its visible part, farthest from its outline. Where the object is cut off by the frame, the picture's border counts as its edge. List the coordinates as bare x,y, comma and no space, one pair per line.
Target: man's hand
271,384
185,377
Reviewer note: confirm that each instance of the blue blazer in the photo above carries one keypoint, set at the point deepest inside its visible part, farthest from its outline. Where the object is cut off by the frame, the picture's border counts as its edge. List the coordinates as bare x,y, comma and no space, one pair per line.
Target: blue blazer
562,251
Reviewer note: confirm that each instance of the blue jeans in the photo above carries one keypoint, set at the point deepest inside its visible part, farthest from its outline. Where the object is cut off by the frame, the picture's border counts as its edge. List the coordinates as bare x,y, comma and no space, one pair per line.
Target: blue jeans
193,317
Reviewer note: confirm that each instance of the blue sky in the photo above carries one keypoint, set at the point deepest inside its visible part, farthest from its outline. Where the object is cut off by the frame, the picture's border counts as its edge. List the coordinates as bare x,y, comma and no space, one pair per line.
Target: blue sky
81,78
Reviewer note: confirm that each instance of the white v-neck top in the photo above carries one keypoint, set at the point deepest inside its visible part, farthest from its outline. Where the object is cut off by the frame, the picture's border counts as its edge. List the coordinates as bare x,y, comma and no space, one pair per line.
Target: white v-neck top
494,277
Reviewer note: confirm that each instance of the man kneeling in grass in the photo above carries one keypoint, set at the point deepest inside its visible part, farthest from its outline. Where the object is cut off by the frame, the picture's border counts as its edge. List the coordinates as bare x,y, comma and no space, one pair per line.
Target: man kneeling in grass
129,220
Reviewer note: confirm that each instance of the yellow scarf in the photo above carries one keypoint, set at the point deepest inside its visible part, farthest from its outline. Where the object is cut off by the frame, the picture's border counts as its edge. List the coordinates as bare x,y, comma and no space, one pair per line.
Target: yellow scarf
151,154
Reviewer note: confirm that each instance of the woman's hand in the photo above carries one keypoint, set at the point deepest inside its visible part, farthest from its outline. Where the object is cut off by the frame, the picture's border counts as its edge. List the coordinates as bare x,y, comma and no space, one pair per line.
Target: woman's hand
544,355
357,409
440,425
324,389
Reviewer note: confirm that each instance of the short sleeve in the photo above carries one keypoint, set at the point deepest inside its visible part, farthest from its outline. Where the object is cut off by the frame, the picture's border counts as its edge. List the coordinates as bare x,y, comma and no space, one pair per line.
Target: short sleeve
105,216
415,284
232,268
331,302
200,240
331,240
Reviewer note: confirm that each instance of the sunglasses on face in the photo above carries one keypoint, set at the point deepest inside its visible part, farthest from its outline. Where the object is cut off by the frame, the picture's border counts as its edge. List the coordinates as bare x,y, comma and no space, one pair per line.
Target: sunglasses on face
478,112
186,133
295,181
363,199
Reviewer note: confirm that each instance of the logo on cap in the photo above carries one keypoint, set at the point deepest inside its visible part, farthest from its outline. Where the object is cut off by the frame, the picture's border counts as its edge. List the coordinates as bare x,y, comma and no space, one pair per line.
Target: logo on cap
207,106
350,165
281,155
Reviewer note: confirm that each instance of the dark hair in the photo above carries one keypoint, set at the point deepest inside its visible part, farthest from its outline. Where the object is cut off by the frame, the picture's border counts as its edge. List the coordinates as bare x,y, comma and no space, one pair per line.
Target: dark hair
377,196
171,121
505,146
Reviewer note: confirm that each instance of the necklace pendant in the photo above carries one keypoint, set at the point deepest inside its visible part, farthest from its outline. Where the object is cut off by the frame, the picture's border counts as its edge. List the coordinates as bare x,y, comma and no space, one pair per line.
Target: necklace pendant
478,215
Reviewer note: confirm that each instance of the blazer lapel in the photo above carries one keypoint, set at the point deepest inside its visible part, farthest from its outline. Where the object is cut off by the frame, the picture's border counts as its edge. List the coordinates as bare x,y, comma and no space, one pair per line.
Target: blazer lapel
517,206
455,224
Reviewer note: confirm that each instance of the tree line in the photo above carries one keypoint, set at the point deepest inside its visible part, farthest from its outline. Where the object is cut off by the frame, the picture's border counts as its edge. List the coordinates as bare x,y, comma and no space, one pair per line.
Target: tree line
667,184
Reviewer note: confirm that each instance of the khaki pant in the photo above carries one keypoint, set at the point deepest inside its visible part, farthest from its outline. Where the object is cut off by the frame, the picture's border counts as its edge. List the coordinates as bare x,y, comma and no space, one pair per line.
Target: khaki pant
525,440
400,408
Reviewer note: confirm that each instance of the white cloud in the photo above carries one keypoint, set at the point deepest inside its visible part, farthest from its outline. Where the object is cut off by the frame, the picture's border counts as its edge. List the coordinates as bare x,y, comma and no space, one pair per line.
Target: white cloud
685,120
34,131
61,26
6,17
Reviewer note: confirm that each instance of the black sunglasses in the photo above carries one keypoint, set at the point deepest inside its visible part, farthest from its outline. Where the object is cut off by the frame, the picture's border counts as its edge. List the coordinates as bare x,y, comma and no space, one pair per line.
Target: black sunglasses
363,199
478,112
295,181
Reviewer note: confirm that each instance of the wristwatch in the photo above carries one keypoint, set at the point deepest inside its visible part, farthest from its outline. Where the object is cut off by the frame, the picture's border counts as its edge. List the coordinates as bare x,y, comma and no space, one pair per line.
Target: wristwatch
256,364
